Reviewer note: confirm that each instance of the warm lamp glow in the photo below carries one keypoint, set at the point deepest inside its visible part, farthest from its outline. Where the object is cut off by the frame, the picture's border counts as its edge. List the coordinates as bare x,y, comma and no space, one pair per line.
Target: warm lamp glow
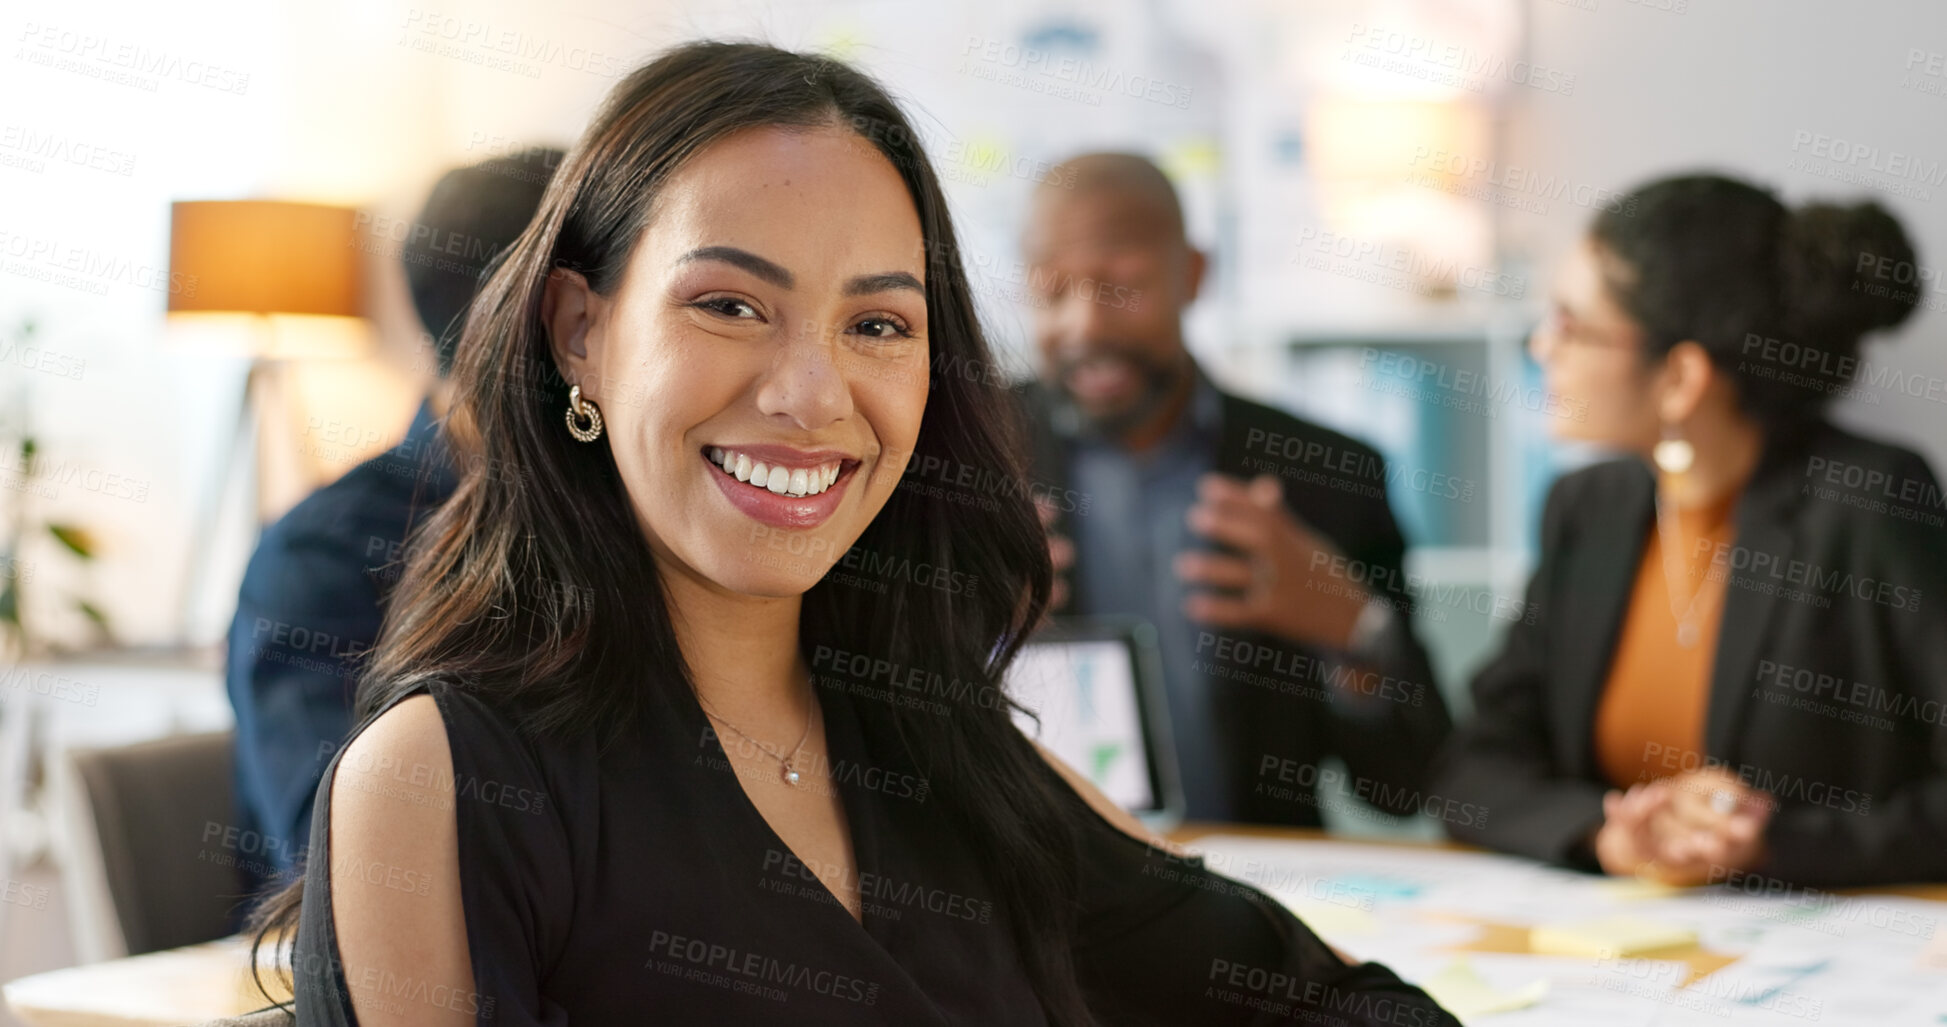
271,279
1406,173
1390,140
271,336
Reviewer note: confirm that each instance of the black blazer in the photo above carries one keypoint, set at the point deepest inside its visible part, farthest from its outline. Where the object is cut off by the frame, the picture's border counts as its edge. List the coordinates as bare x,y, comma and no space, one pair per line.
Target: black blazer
1269,693
1829,686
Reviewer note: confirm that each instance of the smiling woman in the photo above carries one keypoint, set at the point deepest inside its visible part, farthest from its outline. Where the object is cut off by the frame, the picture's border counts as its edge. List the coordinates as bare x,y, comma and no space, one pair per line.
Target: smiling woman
596,735
779,277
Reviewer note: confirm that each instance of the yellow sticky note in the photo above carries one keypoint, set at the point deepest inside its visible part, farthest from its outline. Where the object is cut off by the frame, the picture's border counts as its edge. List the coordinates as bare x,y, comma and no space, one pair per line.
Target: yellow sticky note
1636,889
1460,989
1615,937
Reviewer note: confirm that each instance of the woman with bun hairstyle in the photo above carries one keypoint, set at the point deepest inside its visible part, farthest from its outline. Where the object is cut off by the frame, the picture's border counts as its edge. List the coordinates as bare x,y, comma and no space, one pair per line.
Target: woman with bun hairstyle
678,715
1734,656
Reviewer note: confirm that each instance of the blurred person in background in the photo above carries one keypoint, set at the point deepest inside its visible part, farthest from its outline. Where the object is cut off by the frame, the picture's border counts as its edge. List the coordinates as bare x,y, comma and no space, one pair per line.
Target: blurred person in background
1252,540
309,607
1738,661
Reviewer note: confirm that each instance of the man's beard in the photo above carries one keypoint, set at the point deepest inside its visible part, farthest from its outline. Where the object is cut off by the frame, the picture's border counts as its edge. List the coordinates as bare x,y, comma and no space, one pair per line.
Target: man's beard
1157,380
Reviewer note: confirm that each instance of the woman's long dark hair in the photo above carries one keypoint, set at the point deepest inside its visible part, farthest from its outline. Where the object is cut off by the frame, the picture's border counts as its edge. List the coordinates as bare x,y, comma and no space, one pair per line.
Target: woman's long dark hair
534,588
1780,298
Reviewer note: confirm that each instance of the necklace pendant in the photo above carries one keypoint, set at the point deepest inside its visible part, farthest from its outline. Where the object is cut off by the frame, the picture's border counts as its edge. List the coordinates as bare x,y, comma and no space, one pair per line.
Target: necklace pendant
1687,634
790,775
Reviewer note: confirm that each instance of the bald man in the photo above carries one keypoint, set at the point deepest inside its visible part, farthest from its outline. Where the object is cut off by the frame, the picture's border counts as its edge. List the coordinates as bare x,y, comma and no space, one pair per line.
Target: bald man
1248,537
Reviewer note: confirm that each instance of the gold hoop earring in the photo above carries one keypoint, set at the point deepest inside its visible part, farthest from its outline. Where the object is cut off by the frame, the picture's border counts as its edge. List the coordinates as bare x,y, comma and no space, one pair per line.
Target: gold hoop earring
584,418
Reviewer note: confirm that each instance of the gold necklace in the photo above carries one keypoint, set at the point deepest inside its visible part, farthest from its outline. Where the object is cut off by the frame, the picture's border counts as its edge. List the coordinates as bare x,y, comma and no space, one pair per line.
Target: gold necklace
787,763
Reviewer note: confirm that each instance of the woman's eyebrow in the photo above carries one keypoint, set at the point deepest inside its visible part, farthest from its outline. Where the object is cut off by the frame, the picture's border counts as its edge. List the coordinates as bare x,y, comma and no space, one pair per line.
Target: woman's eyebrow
744,259
865,285
775,274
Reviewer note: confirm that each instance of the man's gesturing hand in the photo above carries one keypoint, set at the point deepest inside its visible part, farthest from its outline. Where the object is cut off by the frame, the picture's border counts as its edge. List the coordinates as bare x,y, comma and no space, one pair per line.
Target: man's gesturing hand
1280,582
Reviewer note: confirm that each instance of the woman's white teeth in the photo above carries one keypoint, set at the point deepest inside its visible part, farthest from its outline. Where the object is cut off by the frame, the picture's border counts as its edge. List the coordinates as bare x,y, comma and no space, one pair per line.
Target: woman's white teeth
785,481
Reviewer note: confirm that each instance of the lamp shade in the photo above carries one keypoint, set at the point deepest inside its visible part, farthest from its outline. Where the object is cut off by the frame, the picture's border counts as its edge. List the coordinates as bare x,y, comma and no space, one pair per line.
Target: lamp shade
274,278
264,257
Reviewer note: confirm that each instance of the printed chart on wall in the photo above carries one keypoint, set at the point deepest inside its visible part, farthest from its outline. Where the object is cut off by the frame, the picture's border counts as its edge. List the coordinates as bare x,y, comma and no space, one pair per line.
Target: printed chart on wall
1085,694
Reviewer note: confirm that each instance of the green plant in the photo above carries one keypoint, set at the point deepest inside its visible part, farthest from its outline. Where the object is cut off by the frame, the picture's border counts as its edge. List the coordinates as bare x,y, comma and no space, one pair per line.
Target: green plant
25,527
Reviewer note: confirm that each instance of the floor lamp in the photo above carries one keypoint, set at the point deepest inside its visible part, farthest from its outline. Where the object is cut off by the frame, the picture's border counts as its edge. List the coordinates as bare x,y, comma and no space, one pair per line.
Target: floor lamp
273,281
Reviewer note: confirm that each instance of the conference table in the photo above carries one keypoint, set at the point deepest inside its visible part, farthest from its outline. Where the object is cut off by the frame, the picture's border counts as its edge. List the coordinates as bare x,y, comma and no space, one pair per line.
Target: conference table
212,980
1495,937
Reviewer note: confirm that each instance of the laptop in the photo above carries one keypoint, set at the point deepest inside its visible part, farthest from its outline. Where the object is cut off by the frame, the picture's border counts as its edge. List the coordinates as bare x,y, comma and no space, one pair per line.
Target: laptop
1096,687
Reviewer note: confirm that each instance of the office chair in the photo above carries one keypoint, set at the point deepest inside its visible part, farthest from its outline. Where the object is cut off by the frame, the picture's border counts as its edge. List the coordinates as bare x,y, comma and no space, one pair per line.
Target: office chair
164,872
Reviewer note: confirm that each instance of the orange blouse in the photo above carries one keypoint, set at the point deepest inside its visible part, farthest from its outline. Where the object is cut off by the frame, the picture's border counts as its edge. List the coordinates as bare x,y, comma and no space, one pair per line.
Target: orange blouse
1658,689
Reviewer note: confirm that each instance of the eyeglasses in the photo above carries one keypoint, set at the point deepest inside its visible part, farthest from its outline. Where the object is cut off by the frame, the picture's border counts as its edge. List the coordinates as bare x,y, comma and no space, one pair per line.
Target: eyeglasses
1558,327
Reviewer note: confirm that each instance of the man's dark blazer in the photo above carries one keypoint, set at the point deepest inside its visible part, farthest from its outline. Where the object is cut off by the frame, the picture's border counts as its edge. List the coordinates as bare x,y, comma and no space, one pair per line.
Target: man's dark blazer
308,610
1829,686
1270,694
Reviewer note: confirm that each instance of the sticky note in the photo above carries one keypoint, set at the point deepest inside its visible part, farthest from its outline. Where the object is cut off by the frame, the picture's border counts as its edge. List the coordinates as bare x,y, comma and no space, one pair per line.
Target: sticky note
1379,886
1614,937
1460,989
1637,889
